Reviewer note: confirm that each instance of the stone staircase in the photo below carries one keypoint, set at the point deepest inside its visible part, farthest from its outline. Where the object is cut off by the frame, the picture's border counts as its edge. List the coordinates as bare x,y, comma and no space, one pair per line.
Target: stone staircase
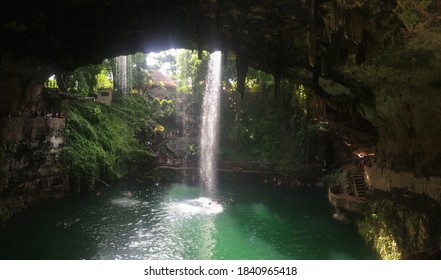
359,184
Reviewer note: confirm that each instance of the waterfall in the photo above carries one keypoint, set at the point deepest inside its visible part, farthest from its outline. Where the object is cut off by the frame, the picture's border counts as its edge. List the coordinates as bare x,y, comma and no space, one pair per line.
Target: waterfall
210,123
121,72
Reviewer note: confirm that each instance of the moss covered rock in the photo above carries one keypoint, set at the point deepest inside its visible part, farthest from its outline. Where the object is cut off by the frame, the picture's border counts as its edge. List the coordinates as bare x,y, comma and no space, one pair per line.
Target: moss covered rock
400,223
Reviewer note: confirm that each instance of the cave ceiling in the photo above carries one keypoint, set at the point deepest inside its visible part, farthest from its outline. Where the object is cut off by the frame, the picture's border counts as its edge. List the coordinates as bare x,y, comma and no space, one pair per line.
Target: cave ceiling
282,37
381,56
297,39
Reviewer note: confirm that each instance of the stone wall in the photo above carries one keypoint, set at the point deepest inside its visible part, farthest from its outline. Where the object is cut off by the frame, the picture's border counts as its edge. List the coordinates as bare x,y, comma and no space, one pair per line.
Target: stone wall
387,180
344,202
31,168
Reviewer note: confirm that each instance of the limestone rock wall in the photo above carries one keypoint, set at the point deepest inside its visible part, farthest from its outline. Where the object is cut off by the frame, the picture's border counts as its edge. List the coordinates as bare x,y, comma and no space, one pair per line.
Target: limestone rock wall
386,180
179,145
404,107
31,165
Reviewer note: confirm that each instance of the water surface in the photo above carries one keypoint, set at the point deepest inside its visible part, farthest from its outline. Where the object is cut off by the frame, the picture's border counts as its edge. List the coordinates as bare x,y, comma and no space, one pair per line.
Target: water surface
178,221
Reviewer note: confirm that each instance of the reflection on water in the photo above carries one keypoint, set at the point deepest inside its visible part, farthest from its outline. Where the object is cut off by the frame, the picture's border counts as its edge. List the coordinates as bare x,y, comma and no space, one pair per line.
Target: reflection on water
176,227
176,221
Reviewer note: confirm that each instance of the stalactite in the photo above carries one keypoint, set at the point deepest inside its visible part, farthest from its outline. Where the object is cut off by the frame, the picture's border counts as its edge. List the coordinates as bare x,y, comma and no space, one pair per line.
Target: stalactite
225,53
218,15
276,86
314,54
312,32
200,48
200,53
241,68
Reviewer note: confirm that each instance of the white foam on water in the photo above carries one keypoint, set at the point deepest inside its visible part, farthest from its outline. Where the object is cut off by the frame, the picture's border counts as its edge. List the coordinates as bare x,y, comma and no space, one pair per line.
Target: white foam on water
125,202
201,206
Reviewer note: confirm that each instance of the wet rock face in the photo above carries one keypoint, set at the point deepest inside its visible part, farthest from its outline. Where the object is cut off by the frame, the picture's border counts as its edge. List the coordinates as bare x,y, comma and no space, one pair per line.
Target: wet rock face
399,224
31,168
409,124
381,57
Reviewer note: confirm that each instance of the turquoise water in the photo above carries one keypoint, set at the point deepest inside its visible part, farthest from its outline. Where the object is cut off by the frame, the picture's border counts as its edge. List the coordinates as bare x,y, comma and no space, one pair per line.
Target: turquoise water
178,221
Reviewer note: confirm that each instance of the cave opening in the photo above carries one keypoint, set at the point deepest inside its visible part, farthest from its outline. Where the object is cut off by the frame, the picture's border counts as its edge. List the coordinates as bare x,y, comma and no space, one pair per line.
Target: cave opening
306,86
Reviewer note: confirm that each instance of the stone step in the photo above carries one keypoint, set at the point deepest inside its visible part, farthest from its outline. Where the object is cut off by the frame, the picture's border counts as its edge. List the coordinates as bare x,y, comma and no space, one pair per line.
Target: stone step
359,185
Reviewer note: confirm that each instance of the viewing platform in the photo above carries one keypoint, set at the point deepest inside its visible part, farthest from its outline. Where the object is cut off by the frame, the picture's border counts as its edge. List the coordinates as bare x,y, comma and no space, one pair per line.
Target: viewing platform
345,201
350,196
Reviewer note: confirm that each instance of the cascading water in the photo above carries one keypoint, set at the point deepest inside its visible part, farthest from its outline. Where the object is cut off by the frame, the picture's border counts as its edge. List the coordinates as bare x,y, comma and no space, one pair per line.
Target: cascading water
210,123
121,72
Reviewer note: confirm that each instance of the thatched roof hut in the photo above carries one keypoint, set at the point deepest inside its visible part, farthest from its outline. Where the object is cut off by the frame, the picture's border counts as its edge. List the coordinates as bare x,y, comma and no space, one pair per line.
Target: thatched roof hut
162,85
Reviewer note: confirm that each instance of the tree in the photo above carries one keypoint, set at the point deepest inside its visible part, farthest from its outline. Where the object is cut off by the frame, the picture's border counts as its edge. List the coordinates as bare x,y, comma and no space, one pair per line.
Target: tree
104,79
139,75
82,81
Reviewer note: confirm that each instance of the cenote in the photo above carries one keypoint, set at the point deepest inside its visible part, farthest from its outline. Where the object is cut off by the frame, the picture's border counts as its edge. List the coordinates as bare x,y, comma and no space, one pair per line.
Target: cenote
245,220
311,130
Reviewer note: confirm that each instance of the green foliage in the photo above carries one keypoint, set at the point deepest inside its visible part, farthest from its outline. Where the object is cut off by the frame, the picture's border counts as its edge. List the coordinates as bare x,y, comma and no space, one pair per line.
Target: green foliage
138,76
377,231
267,127
398,223
51,83
183,71
191,71
332,179
166,107
103,79
103,141
413,12
81,81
